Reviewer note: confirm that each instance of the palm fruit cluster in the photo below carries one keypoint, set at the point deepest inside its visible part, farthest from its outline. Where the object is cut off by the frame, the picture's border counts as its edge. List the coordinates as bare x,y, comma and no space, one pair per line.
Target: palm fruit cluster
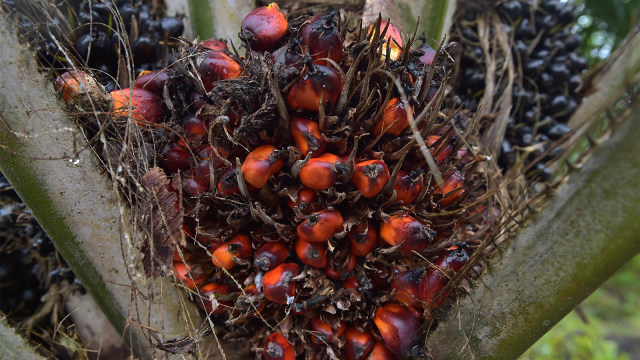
102,35
325,204
546,91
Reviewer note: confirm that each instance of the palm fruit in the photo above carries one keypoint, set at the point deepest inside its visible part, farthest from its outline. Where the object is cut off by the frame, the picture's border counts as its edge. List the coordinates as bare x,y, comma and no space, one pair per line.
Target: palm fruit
304,189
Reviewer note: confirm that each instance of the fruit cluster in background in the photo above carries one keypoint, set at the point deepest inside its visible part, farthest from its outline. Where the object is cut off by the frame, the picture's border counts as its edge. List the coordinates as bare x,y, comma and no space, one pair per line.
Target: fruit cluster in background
546,91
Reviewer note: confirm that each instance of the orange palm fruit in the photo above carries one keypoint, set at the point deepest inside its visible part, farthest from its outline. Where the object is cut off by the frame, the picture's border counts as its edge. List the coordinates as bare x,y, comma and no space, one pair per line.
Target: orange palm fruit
73,84
270,255
407,286
358,344
214,44
307,136
152,81
261,163
277,284
441,152
182,272
398,327
146,107
323,333
437,277
322,172
393,37
228,184
238,247
217,66
305,201
313,254
264,27
276,347
319,84
408,185
370,177
363,238
320,226
451,189
394,118
212,290
380,352
406,231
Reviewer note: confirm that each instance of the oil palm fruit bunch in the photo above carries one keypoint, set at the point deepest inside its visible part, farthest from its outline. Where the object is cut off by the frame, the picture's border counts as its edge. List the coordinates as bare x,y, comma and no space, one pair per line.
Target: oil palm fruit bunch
315,193
547,67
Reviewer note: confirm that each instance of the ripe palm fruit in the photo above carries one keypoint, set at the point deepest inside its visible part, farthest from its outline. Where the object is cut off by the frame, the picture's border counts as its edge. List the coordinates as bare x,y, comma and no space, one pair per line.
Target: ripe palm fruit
76,85
211,291
320,226
392,37
358,344
278,285
407,286
323,333
276,347
322,172
261,163
214,44
174,157
394,119
451,189
194,129
146,107
408,185
313,254
217,66
193,185
441,151
321,39
307,136
152,81
317,86
398,327
380,352
435,279
238,247
407,232
304,202
264,27
340,268
182,272
363,238
228,184
370,177
270,255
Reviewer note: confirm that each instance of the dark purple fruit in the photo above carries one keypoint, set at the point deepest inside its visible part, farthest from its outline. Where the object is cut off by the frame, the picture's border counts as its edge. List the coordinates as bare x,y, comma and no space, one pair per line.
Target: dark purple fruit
172,26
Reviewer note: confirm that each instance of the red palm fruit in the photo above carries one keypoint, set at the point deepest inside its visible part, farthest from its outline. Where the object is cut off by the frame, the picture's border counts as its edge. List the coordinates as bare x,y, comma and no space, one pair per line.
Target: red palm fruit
152,80
322,172
320,226
276,347
72,83
322,39
363,238
351,283
408,185
340,271
217,66
238,247
407,286
277,284
358,344
318,82
261,163
436,278
323,332
194,129
182,272
210,291
252,293
264,27
404,230
307,136
270,255
194,185
428,54
287,56
441,152
391,36
451,189
313,254
228,184
380,352
370,177
394,119
305,201
146,107
398,328
174,157
214,44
